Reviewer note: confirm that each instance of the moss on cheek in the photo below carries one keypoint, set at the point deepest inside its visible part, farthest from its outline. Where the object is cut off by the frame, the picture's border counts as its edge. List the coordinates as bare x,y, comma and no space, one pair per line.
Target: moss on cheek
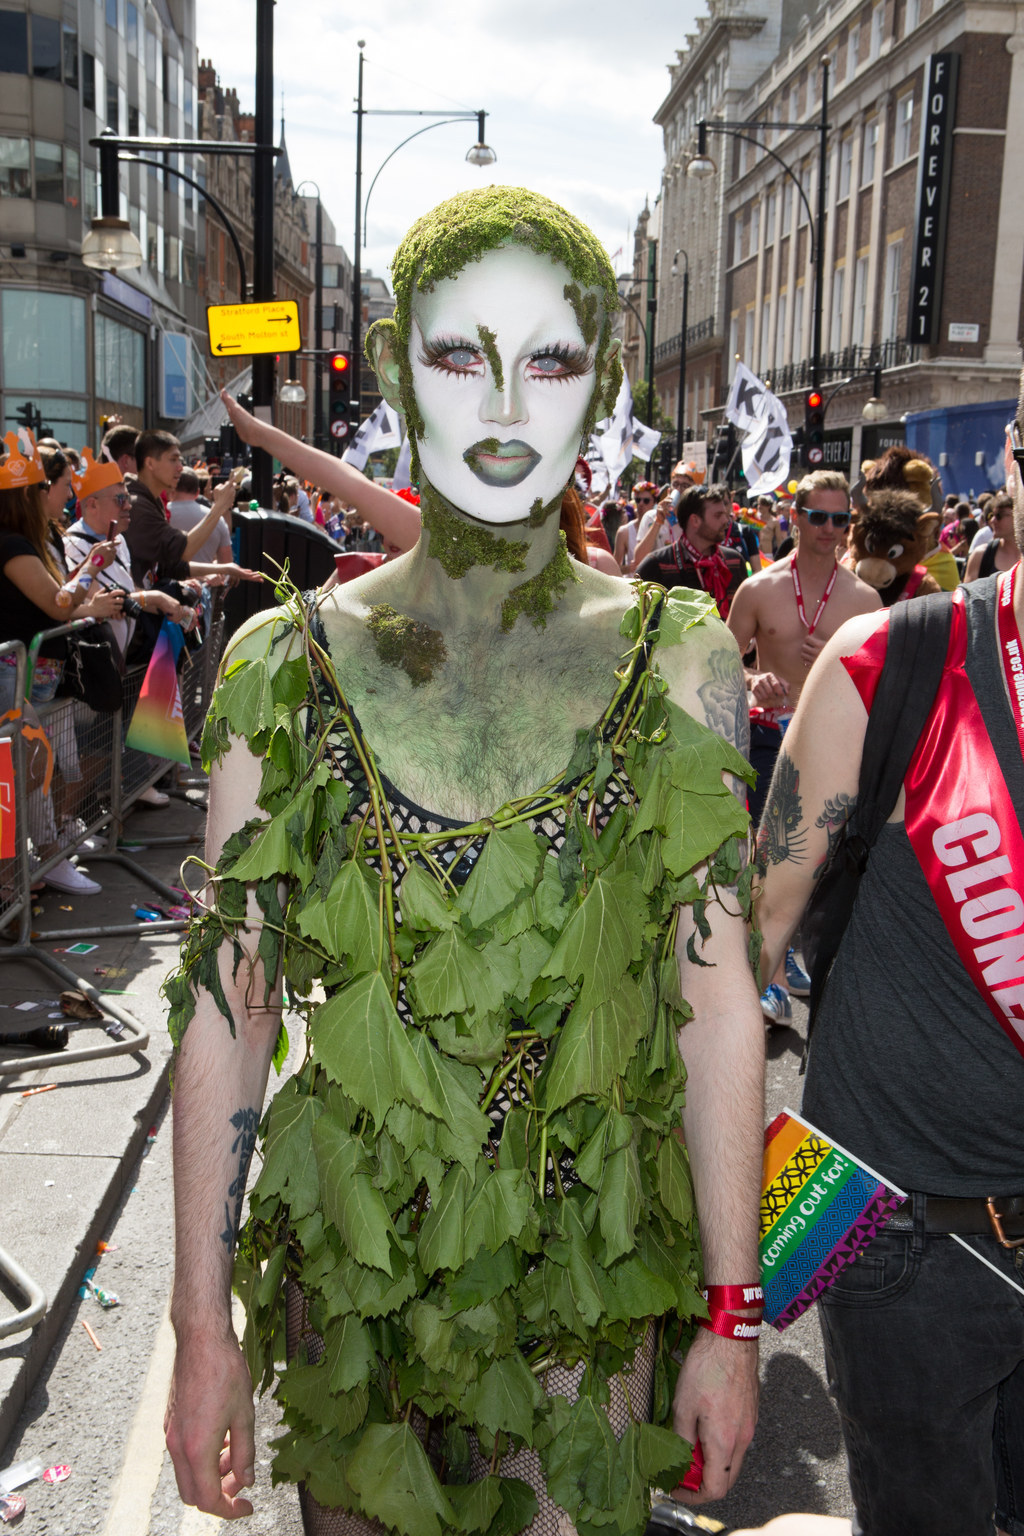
401,642
489,343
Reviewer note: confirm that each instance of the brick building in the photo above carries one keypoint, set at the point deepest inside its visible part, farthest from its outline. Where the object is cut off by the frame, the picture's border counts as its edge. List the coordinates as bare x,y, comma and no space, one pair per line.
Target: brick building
230,180
951,362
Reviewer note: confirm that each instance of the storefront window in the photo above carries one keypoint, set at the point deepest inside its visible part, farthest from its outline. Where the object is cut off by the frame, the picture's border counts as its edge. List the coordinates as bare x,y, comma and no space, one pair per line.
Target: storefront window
120,362
43,341
15,168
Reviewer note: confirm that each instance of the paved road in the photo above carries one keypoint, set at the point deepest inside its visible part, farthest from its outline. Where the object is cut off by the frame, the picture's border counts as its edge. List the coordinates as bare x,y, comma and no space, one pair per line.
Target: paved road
101,1413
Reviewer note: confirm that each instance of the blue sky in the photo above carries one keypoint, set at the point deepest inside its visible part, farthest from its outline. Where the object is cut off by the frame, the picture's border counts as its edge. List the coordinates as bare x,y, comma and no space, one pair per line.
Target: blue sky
571,89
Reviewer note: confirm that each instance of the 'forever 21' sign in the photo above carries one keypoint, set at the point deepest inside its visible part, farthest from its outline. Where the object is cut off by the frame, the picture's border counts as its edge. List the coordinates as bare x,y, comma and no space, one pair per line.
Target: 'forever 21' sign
933,197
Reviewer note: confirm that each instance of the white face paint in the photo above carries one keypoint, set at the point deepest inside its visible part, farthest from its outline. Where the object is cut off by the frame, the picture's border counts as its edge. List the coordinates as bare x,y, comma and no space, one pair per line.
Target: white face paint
537,413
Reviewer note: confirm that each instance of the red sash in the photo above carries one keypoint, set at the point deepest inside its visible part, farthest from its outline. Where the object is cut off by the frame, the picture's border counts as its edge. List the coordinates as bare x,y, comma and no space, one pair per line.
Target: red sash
963,827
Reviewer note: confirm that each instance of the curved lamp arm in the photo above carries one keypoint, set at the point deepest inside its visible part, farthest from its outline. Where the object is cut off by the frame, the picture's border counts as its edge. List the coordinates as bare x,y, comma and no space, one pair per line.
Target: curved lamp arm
160,166
733,133
442,124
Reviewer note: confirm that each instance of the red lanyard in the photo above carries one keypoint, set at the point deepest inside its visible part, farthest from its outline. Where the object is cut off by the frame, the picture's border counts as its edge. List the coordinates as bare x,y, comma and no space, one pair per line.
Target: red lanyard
812,626
1010,650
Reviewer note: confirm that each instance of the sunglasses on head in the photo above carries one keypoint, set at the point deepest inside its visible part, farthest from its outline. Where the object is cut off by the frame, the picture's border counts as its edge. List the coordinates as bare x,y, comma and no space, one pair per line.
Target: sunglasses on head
819,519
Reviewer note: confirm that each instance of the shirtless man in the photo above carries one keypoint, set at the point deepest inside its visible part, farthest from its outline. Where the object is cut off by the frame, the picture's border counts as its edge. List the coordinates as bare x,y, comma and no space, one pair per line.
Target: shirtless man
788,611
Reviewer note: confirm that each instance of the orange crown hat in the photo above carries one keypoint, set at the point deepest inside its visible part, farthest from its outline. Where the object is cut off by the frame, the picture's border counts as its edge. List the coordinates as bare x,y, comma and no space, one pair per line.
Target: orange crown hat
95,476
22,465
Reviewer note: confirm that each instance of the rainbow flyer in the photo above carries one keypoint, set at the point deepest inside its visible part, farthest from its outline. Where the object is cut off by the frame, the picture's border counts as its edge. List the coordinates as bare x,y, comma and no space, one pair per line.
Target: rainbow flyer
158,725
819,1207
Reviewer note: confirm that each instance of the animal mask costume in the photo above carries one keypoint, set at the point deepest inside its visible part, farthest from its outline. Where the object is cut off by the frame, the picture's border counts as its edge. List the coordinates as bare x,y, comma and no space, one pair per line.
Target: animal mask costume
888,543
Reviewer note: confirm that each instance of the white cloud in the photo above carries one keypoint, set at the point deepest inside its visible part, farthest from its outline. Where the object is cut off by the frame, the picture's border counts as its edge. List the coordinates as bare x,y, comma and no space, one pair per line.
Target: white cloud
570,88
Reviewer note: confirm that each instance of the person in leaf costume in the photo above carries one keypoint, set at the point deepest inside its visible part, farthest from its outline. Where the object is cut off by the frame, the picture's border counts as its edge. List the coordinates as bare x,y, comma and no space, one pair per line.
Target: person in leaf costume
484,797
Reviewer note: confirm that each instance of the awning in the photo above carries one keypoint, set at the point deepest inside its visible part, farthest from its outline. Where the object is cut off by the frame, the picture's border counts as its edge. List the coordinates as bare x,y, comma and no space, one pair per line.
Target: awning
208,420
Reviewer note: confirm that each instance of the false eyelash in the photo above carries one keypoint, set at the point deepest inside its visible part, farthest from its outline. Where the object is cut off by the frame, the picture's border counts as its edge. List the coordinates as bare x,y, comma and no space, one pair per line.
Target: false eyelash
434,351
575,359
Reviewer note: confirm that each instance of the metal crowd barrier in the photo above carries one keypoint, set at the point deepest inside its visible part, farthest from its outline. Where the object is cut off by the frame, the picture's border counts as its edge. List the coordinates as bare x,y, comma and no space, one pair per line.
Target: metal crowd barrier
75,781
34,1295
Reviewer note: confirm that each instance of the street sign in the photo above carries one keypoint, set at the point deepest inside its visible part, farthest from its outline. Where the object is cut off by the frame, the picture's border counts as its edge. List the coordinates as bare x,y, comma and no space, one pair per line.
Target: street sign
243,329
339,429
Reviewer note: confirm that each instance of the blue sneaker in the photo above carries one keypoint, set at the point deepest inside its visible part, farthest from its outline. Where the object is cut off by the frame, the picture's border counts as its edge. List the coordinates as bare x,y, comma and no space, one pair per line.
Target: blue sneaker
797,979
775,1004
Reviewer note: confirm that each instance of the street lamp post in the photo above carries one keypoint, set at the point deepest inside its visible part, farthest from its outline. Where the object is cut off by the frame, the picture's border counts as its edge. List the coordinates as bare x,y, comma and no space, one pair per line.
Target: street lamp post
652,315
702,165
480,154
680,413
318,318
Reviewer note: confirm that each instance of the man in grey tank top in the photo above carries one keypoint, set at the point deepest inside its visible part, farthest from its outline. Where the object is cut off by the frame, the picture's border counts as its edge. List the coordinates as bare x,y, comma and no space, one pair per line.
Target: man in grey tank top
914,1070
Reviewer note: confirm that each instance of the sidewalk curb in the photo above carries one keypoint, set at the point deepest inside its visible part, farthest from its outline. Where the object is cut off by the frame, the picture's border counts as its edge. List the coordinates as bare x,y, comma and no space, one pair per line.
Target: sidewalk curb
46,1332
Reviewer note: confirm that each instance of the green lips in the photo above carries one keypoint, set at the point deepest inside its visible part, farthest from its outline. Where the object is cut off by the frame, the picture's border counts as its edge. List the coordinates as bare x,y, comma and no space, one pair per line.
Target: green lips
501,464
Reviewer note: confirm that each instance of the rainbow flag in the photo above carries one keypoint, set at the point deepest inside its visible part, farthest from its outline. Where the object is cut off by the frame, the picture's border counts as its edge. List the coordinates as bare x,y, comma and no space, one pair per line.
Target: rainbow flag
157,724
819,1207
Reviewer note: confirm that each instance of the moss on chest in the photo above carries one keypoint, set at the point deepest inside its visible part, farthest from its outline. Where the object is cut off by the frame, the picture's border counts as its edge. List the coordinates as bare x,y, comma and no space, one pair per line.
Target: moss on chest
401,642
536,598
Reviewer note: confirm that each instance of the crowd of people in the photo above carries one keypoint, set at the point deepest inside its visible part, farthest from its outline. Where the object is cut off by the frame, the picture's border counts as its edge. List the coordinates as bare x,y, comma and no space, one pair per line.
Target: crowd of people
125,539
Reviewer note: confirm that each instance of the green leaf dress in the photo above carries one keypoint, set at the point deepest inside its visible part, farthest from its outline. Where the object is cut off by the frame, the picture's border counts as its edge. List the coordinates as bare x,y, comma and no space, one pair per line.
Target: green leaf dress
476,1179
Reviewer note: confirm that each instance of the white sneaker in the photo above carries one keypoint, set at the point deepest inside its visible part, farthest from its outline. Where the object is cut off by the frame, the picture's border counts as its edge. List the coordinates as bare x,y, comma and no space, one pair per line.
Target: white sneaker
154,797
72,835
65,877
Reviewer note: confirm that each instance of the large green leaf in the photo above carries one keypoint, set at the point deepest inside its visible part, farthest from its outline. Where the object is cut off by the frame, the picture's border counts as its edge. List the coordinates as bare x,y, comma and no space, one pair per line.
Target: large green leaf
508,868
348,920
289,1162
452,976
452,1097
423,905
360,1043
305,1390
498,1208
594,1048
602,938
663,1456
276,850
475,1504
245,698
681,610
482,1277
621,1201
395,1482
442,1237
631,1291
582,1461
349,1198
504,1397
349,1354
433,1335
675,1187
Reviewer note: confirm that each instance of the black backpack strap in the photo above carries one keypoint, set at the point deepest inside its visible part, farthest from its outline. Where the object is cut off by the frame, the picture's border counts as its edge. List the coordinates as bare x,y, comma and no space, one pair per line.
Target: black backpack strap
914,662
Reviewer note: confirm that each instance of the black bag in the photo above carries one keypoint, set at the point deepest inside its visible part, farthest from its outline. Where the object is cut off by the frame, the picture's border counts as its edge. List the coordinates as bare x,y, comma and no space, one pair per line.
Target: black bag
914,662
93,670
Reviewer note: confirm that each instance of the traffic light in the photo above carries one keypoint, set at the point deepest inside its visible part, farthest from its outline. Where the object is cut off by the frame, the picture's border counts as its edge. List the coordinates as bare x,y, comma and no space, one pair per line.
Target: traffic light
813,452
724,451
28,416
339,377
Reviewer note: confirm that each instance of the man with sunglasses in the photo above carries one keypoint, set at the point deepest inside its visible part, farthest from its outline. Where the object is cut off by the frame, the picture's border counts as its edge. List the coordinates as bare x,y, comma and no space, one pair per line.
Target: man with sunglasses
786,613
916,1065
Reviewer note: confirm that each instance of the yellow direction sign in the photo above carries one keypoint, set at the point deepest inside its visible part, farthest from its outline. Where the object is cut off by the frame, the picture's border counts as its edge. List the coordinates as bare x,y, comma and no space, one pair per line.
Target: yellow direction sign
246,328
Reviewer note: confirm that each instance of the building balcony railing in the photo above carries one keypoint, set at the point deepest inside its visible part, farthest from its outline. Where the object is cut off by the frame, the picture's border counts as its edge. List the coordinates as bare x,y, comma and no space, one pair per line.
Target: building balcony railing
838,365
694,333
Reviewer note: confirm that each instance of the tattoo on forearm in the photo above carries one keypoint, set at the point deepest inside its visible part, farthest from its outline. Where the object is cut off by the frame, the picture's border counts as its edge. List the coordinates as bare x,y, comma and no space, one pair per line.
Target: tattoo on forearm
782,834
833,818
245,1122
724,697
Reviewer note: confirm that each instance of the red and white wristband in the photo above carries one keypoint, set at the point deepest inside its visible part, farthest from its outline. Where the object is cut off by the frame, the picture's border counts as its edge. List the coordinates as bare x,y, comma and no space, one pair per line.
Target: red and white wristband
726,1323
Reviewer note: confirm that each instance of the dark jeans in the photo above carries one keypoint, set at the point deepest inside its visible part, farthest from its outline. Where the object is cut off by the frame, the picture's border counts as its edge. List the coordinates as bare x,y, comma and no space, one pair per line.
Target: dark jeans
924,1349
765,745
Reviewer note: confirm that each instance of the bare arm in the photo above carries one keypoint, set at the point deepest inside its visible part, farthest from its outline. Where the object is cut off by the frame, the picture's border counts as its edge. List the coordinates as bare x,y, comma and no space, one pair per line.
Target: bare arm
723,1050
813,790
30,576
223,500
219,1088
767,688
397,521
645,545
974,564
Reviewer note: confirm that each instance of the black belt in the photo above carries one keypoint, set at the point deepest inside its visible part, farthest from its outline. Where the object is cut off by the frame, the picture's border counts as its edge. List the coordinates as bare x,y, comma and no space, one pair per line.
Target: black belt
1001,1217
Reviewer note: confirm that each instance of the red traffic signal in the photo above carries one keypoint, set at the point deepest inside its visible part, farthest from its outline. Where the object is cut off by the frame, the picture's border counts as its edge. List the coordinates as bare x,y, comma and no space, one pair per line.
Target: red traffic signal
339,364
814,429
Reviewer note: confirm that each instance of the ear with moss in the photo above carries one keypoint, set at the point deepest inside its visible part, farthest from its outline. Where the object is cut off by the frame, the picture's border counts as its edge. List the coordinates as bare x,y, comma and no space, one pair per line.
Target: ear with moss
383,348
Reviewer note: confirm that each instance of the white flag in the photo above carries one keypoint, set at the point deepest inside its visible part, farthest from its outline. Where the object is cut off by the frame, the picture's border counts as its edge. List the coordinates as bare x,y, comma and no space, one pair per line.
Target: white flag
767,445
403,469
645,440
379,431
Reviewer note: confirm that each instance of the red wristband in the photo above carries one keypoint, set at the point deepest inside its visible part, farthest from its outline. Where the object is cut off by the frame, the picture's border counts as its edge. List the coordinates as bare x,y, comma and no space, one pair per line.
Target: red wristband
734,1295
728,1326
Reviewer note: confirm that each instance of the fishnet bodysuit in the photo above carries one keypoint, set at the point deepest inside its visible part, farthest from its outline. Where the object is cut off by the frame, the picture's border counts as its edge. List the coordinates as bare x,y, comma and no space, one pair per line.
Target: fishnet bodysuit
630,1396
